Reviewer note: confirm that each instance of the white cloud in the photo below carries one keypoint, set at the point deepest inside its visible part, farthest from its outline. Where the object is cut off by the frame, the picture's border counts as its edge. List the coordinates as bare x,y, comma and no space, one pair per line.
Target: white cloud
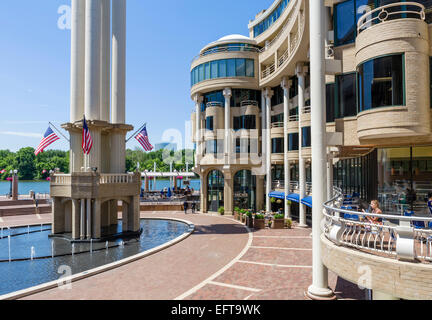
21,134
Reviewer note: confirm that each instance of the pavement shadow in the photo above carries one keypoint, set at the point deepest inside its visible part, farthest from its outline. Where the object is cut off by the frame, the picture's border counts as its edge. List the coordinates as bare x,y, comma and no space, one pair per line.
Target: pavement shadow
220,229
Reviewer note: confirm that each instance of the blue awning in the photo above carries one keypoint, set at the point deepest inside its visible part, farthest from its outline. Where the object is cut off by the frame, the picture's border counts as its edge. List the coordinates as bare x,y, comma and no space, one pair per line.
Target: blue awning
293,197
307,201
277,194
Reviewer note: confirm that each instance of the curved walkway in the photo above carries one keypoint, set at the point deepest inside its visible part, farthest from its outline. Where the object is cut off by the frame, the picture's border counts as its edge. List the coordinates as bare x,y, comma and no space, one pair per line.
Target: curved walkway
221,260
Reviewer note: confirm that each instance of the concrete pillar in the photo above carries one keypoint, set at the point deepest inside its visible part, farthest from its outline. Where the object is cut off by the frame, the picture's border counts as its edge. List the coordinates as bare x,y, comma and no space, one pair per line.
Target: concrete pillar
75,219
118,152
76,155
227,145
134,214
263,130
268,93
113,212
96,219
89,218
228,193
118,114
203,194
15,187
77,60
125,216
260,193
58,217
198,100
94,157
105,60
92,59
319,288
286,84
302,168
82,218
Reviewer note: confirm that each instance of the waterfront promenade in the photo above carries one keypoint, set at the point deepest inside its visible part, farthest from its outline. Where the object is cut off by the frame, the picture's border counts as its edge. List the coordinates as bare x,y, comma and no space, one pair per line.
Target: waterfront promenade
221,260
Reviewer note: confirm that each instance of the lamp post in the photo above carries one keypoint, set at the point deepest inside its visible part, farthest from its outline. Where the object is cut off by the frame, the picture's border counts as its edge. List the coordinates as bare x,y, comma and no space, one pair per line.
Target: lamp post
10,191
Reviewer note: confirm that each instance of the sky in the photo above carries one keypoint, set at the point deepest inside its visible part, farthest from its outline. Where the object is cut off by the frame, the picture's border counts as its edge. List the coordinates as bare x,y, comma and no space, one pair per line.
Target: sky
162,39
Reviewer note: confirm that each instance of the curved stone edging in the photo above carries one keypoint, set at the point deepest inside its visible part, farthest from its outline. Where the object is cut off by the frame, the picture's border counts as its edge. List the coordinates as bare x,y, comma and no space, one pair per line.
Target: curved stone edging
101,269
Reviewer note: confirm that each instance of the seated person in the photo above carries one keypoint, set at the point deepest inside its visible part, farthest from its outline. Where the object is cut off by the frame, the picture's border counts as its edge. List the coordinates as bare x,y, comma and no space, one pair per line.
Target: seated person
429,203
376,210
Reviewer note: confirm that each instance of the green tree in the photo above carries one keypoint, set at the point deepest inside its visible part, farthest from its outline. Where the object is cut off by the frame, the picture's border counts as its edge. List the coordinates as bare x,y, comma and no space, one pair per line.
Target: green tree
25,163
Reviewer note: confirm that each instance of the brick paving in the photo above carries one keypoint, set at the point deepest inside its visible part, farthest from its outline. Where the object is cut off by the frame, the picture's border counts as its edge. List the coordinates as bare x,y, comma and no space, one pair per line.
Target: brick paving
277,266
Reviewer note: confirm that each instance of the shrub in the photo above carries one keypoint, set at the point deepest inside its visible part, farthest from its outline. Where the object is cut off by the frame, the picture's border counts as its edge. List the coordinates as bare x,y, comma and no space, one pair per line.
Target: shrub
279,216
272,200
249,214
221,210
259,216
288,223
237,209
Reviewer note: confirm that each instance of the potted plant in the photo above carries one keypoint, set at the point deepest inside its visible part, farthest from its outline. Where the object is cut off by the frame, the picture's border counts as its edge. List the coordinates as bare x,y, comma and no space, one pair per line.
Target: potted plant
221,211
249,220
288,223
237,213
259,221
278,221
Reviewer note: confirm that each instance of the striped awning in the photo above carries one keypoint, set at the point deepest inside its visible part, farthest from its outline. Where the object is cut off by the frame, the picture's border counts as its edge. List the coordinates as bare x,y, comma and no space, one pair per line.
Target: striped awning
294,197
307,201
277,194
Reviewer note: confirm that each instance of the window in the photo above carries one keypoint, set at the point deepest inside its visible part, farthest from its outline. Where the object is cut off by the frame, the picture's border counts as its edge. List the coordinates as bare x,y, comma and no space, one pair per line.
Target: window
293,141
278,96
272,18
222,69
330,102
277,145
240,95
279,118
247,122
381,82
306,137
209,123
346,89
211,147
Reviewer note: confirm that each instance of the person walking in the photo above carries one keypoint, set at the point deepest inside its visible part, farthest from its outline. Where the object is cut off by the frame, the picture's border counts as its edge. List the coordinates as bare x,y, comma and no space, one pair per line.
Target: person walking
185,206
193,207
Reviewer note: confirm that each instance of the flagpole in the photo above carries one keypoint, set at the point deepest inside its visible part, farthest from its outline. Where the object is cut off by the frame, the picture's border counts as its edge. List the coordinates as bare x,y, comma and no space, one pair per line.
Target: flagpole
59,131
136,132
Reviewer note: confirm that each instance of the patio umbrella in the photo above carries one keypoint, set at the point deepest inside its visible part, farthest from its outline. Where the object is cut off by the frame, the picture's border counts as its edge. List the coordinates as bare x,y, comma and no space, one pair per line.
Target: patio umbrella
169,194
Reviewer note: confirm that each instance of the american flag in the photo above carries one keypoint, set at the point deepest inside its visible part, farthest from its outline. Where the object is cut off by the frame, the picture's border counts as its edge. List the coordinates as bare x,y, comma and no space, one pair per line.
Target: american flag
142,138
49,137
3,171
87,141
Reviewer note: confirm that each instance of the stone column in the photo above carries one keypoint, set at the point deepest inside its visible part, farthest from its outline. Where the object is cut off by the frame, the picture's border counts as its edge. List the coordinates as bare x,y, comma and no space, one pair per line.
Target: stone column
268,94
15,187
134,214
118,61
92,59
198,100
227,145
75,219
96,219
105,60
228,192
82,219
58,216
89,219
302,168
77,60
113,212
286,84
76,156
125,216
260,192
203,193
319,288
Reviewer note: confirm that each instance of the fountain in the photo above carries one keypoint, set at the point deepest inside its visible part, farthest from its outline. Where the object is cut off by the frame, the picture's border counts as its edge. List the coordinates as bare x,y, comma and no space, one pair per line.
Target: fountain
9,243
28,229
2,233
106,245
73,249
52,249
32,253
91,245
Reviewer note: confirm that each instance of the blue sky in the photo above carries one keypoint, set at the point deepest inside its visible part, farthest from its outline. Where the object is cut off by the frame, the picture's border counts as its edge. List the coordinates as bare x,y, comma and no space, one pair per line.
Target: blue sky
162,39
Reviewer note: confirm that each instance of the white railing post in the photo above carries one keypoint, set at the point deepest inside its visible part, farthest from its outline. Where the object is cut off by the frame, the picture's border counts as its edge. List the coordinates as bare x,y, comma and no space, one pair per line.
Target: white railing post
405,243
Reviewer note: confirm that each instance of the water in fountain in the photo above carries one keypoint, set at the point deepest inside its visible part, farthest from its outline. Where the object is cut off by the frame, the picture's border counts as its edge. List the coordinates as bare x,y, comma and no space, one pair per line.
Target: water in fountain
73,249
2,232
32,253
28,229
52,249
91,245
122,244
106,245
9,248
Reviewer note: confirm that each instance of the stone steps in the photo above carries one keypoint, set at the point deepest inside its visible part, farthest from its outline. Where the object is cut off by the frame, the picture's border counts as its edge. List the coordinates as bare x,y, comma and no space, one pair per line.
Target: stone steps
18,210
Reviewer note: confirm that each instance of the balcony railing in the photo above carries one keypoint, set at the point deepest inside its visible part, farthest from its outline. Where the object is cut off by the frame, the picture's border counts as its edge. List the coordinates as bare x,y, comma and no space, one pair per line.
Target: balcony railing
277,125
394,236
268,71
214,104
306,109
61,179
293,118
246,103
222,49
393,11
116,178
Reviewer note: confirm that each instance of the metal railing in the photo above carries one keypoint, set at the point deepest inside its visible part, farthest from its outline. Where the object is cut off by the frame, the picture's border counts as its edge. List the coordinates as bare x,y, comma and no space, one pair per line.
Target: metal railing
246,103
226,48
116,178
214,104
293,118
306,109
403,237
268,71
390,12
277,125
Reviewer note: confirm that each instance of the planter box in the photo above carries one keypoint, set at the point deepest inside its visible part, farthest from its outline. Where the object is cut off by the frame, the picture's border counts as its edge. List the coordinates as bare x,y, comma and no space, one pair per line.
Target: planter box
278,224
249,222
259,223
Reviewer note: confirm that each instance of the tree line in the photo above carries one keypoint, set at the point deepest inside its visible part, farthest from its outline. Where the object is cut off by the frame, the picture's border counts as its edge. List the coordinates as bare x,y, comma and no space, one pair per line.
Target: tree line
31,167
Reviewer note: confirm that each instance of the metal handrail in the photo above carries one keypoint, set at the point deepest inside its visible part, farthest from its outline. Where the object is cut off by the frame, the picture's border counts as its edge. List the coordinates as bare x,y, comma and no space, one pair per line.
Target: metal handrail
226,48
307,109
351,228
249,103
214,104
367,19
268,71
293,118
277,125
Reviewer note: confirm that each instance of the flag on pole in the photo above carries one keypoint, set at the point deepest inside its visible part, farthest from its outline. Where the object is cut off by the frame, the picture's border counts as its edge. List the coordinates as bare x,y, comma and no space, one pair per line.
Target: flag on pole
3,171
142,138
87,141
49,137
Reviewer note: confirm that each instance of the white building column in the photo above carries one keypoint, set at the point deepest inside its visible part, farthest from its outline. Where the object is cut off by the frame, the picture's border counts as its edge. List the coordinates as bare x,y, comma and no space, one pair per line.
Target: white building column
319,288
227,145
286,85
92,59
77,60
198,101
329,175
302,168
268,94
105,60
118,98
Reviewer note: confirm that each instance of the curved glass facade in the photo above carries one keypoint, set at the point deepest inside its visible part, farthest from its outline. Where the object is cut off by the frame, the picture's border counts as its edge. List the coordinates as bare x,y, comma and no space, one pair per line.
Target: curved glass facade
247,122
231,47
215,190
264,25
381,82
277,145
238,96
245,190
293,141
225,68
306,137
